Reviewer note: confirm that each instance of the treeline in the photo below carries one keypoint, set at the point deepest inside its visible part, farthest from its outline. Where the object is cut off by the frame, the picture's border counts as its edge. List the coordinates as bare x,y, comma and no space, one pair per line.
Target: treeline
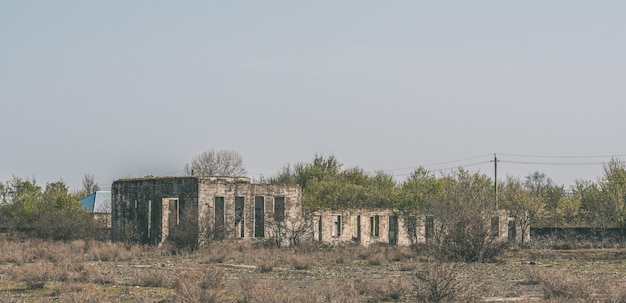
50,212
535,199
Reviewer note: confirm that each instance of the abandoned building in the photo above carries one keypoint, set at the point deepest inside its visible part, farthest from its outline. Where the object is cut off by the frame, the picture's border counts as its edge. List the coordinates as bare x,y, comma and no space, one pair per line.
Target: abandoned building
149,209
370,226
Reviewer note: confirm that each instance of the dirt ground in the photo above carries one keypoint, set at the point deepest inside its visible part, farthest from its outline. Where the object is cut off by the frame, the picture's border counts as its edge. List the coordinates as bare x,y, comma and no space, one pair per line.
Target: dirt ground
35,271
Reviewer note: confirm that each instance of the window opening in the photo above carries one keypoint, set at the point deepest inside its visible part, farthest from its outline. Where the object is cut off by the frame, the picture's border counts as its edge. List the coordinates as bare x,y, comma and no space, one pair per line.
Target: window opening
259,217
239,216
336,226
375,225
279,209
495,227
219,218
429,228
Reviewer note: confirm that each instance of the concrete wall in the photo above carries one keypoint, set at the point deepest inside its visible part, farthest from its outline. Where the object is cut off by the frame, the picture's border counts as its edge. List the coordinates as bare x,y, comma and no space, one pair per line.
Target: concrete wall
137,206
210,189
358,226
147,210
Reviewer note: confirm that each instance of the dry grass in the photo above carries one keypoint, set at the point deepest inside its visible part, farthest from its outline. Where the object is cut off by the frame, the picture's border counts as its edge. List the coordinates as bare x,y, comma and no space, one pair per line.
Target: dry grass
235,271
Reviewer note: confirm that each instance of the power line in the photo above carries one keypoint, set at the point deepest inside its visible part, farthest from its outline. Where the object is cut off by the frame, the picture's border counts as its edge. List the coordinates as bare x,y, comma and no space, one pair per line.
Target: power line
552,163
433,164
562,157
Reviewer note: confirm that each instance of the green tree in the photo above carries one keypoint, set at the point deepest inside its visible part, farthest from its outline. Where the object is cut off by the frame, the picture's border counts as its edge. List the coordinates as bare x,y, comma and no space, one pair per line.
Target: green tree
463,217
3,194
326,185
594,210
415,196
51,214
542,187
613,187
521,204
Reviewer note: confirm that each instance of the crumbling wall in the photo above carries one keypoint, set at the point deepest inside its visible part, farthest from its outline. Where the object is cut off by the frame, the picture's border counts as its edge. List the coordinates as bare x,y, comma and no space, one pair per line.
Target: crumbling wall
251,196
360,226
137,211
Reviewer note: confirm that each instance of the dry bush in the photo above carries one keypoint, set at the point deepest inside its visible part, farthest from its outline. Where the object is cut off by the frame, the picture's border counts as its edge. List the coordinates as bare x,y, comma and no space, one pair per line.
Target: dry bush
300,262
35,275
266,267
441,282
71,293
151,278
383,289
200,285
12,252
110,252
560,284
275,290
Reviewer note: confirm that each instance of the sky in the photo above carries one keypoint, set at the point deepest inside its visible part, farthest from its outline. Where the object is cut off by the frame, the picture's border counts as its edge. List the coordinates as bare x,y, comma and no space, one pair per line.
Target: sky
132,88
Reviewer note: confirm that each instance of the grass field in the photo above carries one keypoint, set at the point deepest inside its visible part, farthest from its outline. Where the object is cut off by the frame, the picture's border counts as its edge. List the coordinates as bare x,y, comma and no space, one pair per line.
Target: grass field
79,271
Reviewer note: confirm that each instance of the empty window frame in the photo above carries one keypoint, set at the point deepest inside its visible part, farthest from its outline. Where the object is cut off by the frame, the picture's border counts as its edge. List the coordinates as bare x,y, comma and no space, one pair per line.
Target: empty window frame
174,212
356,227
239,216
512,230
218,228
393,230
149,219
279,209
429,227
259,217
375,225
317,228
495,227
336,232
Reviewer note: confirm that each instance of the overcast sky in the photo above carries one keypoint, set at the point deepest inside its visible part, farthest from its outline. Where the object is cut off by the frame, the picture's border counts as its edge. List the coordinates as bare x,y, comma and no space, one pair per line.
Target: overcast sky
134,88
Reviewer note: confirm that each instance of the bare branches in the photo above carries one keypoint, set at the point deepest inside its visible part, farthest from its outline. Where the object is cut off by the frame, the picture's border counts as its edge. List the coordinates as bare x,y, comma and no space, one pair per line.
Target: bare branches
221,163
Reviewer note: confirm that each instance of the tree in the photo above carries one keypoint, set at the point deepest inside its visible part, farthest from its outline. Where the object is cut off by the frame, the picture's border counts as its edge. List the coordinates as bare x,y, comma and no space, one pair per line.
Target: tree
593,210
463,212
613,186
227,163
89,185
522,204
415,197
53,213
542,187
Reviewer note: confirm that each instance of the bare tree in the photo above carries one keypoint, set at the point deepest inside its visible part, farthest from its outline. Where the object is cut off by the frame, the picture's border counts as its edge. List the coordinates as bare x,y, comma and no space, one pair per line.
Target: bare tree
89,185
221,163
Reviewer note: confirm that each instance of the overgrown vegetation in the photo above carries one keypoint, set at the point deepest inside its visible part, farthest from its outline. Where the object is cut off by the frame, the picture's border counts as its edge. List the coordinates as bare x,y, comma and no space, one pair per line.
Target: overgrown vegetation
93,271
534,201
52,212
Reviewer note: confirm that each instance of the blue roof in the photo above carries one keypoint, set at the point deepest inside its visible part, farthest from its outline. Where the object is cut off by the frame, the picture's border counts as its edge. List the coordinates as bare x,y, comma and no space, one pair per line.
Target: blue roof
98,202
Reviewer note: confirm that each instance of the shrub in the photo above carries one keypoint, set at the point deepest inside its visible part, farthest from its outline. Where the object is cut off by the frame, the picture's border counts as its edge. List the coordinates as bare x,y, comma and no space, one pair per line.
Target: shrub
151,278
200,285
300,262
440,282
561,284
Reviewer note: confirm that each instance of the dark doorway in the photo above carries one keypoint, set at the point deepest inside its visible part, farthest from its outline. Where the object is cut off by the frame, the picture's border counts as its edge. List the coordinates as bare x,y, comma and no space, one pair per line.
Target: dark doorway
512,231
239,217
259,217
393,230
218,230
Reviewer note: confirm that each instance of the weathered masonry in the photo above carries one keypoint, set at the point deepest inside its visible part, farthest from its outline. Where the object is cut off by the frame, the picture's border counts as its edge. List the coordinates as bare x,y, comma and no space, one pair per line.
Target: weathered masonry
148,210
370,226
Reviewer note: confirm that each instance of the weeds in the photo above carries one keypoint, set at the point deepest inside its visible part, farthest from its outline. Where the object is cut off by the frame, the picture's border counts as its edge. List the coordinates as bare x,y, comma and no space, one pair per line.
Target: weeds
200,285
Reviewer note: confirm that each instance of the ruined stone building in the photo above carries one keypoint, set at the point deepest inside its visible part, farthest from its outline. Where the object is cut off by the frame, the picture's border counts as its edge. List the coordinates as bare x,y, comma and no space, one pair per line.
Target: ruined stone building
148,210
370,226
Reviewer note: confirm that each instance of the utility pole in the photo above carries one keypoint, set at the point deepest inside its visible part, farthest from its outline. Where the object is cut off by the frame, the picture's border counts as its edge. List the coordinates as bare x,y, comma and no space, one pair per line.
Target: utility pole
495,179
